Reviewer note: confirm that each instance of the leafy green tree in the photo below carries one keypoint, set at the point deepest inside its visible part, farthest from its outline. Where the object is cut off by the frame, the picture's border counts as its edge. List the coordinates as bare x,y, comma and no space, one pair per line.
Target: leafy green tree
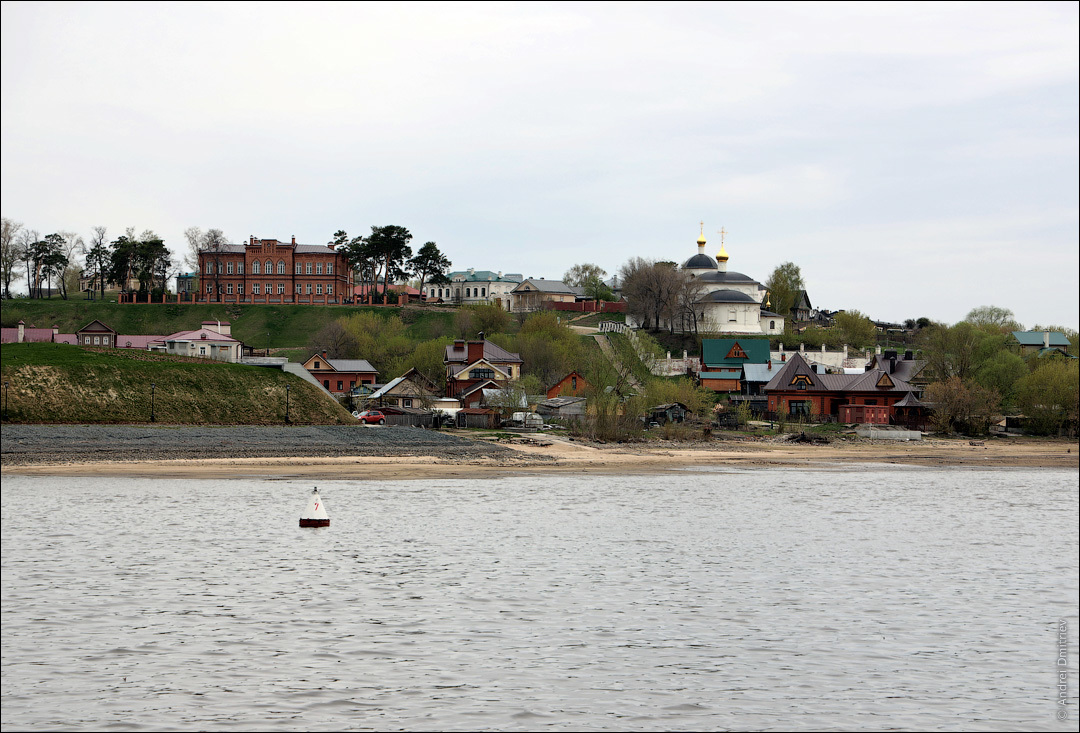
964,406
855,329
489,318
784,285
430,265
1050,396
1000,372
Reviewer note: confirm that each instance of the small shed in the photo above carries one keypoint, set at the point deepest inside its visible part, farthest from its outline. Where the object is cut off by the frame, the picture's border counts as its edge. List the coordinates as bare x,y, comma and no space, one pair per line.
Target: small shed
562,408
411,416
477,417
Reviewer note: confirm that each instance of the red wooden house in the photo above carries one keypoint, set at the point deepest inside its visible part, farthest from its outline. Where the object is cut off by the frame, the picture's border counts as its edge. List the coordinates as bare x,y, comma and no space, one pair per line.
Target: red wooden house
869,397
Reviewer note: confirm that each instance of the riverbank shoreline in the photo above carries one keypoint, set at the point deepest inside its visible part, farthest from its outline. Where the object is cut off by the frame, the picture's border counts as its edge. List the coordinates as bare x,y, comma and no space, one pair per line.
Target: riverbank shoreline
424,455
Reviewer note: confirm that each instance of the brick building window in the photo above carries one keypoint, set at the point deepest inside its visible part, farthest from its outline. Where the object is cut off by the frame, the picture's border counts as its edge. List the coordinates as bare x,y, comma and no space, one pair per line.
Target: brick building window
269,267
239,289
229,268
281,267
239,268
255,268
281,288
307,268
307,289
299,287
228,288
329,289
318,289
299,267
209,288
329,268
318,268
255,288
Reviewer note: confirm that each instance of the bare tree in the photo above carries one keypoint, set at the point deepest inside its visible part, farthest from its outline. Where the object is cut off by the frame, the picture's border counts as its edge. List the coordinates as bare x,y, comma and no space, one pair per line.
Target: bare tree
652,291
27,252
9,253
211,243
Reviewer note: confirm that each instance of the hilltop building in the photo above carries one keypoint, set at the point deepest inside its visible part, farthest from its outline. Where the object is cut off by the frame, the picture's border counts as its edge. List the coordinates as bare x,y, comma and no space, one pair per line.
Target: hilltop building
474,286
724,301
270,271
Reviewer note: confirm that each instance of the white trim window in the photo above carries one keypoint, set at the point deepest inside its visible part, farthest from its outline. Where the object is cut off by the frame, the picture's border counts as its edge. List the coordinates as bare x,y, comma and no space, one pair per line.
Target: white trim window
255,288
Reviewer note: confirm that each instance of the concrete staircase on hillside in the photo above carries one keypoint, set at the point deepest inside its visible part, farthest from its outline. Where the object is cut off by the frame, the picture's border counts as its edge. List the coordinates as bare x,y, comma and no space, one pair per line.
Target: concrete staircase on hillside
280,362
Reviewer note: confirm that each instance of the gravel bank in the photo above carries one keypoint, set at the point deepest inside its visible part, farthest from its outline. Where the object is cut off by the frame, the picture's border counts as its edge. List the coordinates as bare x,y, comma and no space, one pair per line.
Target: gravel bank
22,445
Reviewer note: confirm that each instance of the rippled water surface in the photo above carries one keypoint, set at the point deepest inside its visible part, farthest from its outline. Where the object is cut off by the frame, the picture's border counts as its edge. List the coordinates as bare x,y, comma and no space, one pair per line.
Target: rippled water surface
769,599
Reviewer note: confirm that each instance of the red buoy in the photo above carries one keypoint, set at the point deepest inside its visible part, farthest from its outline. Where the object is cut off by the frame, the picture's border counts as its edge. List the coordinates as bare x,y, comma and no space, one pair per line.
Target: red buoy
315,514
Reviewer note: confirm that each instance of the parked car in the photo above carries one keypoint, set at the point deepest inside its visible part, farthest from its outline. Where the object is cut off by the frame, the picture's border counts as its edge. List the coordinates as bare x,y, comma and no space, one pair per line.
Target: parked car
372,416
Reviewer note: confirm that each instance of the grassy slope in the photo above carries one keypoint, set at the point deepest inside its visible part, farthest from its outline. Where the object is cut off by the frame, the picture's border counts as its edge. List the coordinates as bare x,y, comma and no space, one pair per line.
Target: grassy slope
55,383
279,326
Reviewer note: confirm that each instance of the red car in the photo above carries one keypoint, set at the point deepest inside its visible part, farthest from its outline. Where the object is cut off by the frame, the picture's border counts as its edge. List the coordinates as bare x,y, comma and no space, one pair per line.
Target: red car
372,416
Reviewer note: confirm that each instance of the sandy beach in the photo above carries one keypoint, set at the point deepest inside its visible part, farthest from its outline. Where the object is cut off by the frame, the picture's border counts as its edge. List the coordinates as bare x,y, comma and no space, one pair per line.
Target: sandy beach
544,454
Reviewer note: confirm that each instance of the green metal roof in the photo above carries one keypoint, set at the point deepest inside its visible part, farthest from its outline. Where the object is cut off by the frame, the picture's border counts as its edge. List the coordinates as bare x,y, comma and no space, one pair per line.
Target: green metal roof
1035,338
714,352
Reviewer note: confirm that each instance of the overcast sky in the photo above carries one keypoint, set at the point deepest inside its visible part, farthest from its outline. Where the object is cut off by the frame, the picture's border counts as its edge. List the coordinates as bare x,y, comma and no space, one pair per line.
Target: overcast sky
913,159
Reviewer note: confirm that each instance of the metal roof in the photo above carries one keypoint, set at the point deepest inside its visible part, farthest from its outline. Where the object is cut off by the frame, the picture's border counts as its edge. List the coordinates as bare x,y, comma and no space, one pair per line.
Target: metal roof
492,353
351,365
725,277
550,286
700,262
727,296
1035,338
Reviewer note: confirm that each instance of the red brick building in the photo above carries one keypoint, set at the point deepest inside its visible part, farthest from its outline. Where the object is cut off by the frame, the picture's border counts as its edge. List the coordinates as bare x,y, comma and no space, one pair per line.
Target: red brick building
340,376
269,271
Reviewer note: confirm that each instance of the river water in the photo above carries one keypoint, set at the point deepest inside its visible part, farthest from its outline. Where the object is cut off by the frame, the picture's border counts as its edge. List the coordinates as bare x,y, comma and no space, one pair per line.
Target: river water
877,598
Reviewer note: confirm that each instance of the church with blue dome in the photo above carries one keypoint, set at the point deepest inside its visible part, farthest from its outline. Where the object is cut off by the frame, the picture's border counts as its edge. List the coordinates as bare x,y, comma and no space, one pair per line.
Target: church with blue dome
727,301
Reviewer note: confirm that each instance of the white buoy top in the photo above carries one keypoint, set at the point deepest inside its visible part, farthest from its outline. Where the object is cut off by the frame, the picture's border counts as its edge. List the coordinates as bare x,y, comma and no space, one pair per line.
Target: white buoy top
315,508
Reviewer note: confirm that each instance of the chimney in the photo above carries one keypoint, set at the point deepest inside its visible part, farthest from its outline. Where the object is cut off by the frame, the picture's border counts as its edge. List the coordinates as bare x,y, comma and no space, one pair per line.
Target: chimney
1046,339
294,240
892,364
769,365
476,351
251,239
324,355
459,345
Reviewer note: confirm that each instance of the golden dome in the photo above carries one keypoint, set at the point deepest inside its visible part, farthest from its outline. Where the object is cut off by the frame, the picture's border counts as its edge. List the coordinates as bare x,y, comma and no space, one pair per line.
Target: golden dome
722,255
701,239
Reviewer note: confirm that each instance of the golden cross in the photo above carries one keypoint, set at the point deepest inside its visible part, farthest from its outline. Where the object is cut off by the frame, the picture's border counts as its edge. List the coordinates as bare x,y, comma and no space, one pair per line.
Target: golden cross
703,229
722,232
